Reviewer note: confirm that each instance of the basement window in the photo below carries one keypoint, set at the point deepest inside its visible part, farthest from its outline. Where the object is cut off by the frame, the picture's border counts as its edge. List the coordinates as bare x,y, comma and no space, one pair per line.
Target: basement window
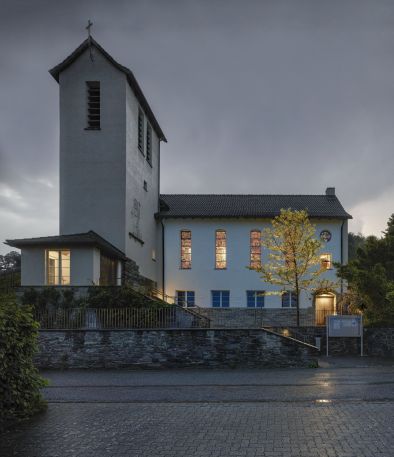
93,105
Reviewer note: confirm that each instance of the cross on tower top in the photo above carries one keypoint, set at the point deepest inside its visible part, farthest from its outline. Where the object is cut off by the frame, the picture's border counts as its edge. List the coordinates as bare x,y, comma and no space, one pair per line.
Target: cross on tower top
88,27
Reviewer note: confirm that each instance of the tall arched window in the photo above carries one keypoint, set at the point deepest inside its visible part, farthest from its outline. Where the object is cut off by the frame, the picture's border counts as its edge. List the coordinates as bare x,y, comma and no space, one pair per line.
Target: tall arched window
220,250
255,249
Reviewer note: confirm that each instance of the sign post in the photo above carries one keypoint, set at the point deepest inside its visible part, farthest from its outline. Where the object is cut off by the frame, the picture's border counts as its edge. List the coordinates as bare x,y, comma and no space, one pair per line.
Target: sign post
345,326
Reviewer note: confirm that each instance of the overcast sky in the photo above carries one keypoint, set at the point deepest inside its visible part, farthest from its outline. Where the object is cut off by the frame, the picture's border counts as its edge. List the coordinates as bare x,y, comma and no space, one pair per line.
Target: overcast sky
265,96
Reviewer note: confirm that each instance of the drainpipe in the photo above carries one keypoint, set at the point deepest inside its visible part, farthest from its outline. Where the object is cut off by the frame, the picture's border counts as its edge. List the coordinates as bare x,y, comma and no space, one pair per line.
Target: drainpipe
163,277
343,224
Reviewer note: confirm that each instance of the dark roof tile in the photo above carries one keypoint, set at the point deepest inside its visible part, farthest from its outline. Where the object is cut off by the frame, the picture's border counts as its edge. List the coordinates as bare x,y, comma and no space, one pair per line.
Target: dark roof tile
229,205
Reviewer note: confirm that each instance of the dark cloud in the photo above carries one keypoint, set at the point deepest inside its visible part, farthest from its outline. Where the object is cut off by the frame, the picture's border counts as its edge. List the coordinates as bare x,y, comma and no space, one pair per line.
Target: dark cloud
254,96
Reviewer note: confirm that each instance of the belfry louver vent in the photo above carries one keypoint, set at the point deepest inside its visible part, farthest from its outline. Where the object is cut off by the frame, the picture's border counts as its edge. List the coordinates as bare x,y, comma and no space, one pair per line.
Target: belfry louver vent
93,105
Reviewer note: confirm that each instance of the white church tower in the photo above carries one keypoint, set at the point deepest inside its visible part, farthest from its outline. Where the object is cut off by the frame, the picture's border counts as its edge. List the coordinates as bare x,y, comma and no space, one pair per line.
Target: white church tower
109,155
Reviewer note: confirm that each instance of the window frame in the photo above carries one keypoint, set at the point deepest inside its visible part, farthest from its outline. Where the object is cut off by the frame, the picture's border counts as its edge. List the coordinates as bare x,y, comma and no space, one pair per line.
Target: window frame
221,293
251,248
59,277
186,300
292,299
216,249
256,295
181,265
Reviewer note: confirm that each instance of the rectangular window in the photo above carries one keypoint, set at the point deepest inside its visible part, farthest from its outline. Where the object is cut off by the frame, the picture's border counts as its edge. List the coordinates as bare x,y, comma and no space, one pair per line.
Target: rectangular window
93,105
186,249
220,250
185,298
289,299
255,298
141,122
58,268
326,261
220,298
149,144
255,249
108,271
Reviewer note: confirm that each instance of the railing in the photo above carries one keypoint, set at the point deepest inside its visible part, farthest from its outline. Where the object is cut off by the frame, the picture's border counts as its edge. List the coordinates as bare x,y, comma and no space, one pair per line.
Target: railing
9,281
119,318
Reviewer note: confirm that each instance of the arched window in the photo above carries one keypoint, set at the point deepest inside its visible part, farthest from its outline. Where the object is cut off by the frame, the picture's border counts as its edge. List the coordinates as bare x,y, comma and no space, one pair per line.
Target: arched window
255,249
220,250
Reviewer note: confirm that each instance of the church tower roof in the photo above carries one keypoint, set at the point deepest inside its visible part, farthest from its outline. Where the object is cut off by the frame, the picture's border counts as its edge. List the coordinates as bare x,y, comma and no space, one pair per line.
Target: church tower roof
55,72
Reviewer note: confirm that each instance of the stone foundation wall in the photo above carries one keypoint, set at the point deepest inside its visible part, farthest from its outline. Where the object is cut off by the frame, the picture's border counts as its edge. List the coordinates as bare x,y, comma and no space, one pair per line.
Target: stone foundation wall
217,348
378,342
131,275
256,317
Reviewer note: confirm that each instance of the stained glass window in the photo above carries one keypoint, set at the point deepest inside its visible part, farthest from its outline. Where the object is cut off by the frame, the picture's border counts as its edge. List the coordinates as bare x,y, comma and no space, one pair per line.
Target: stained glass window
186,249
221,250
326,261
255,249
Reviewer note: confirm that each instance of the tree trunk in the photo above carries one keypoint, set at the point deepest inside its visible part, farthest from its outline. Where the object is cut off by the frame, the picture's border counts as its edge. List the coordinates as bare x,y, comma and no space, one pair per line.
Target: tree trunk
298,307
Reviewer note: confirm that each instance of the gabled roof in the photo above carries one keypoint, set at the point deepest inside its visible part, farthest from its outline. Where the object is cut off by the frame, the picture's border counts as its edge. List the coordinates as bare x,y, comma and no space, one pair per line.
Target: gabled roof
55,72
76,239
255,206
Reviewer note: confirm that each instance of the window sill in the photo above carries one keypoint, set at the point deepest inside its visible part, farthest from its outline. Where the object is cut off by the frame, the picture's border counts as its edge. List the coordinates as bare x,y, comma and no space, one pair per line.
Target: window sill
220,269
92,128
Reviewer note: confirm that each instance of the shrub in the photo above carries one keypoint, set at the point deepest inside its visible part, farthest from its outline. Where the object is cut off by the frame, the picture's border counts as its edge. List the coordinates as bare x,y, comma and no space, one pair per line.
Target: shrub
20,381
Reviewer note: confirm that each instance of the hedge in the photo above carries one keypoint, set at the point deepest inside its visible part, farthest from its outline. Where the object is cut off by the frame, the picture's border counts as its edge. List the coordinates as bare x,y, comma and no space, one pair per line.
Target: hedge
20,381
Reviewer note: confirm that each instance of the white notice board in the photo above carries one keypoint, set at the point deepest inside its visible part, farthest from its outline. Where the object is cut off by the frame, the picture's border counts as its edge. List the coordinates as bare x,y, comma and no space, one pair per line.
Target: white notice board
344,326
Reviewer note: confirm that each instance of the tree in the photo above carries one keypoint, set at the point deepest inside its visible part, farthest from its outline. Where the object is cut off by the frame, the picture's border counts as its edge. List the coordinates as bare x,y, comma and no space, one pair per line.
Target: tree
370,277
355,241
293,251
10,262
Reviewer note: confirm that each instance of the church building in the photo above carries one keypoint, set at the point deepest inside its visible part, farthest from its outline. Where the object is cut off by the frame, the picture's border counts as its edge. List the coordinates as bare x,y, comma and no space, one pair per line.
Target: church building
116,227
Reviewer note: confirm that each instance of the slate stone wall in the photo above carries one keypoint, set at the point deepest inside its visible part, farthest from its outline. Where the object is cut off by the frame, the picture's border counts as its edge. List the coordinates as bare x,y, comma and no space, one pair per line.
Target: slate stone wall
378,342
217,348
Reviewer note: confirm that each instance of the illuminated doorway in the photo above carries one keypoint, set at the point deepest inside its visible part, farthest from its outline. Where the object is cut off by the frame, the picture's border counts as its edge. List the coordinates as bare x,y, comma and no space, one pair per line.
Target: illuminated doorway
325,304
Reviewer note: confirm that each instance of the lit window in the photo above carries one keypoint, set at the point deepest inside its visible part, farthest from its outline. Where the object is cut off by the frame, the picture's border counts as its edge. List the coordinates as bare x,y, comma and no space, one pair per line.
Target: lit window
289,299
255,249
186,249
255,298
185,298
149,144
141,131
58,268
93,107
326,261
221,250
220,298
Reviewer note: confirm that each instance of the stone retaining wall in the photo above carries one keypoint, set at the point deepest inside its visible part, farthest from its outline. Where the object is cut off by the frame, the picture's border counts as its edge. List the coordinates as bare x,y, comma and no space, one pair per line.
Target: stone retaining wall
216,348
256,317
378,342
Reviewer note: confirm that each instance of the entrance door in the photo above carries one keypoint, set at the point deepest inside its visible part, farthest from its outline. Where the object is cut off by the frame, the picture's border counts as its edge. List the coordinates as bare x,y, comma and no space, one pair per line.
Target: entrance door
324,306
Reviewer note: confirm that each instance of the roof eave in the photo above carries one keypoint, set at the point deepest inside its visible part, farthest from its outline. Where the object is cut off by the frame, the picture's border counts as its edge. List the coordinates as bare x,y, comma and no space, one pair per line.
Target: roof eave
57,69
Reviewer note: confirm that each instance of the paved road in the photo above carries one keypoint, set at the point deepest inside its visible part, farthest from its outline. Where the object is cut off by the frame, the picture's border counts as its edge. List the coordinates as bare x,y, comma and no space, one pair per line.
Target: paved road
344,410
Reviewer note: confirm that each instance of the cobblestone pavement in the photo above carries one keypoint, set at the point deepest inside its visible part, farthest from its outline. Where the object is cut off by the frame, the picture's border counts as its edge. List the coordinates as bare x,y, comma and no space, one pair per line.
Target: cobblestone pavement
196,419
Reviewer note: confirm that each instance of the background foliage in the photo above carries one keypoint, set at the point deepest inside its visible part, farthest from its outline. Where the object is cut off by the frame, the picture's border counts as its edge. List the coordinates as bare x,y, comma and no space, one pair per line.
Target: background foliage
370,277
